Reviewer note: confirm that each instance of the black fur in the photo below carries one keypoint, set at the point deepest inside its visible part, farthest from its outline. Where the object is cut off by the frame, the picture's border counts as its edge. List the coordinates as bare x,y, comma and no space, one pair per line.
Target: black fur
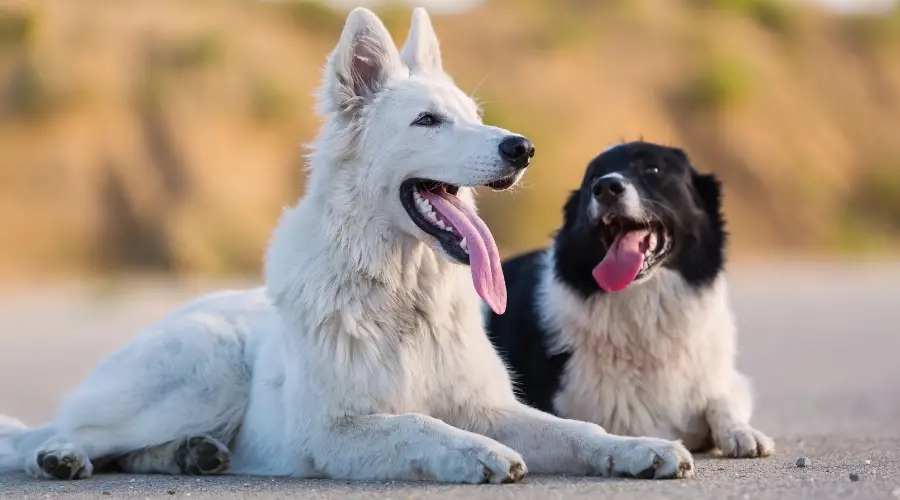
686,201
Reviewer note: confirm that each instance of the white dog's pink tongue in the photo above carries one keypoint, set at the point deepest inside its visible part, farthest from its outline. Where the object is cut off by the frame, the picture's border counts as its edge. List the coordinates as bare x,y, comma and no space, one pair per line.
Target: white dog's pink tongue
484,258
623,261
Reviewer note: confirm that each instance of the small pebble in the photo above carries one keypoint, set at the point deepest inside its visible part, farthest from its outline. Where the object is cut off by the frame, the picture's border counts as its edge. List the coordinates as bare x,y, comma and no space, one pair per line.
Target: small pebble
802,461
868,462
246,485
106,493
171,492
854,476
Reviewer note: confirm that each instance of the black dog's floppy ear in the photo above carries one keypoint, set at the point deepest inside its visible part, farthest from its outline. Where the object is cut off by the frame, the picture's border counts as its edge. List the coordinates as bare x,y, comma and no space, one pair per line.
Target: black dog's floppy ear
709,191
571,209
707,187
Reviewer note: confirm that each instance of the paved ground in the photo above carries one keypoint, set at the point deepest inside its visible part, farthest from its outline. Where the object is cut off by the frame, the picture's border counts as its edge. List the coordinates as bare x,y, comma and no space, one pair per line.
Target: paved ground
821,341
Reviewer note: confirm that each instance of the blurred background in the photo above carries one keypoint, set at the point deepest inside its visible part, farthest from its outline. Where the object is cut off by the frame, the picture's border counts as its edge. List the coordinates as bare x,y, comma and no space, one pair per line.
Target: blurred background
151,142
165,136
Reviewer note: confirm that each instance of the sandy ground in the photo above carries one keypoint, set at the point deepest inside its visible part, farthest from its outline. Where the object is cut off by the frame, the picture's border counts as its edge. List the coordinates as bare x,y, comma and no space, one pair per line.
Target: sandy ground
820,340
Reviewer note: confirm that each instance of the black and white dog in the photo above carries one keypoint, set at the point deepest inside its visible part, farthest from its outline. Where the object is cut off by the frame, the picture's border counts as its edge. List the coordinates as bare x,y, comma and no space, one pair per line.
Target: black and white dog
625,320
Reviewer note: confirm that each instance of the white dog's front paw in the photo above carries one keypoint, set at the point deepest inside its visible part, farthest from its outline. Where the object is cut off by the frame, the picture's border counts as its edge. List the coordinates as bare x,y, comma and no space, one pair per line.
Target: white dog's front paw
63,461
744,442
641,458
478,462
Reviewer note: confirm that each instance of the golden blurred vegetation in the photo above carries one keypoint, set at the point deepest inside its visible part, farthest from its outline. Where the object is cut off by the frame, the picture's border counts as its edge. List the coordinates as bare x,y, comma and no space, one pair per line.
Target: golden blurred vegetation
165,136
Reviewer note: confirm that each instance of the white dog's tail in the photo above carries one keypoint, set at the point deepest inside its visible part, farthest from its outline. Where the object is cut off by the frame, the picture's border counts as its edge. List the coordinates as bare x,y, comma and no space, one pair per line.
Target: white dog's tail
10,432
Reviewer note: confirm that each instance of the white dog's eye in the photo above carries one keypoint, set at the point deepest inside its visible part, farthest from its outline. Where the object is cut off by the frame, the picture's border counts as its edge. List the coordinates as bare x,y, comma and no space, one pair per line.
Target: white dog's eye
426,120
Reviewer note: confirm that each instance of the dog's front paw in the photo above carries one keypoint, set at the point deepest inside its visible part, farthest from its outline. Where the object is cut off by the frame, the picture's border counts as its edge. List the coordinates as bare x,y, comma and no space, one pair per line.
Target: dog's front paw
744,442
478,462
61,462
641,458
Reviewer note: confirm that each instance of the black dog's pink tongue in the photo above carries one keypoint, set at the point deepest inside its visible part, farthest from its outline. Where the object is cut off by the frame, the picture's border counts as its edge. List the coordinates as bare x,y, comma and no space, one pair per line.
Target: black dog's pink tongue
484,258
623,261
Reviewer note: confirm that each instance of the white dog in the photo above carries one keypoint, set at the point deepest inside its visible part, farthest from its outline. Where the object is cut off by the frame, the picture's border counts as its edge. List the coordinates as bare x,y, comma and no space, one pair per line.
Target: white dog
365,357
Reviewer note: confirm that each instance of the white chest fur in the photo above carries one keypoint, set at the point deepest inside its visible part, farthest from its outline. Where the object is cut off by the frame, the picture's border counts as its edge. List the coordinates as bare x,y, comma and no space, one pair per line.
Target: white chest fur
644,361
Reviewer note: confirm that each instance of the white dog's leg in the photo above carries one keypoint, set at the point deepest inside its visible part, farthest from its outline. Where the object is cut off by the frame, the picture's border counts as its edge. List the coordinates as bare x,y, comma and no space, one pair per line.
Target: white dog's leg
411,447
553,445
163,402
193,456
57,458
729,419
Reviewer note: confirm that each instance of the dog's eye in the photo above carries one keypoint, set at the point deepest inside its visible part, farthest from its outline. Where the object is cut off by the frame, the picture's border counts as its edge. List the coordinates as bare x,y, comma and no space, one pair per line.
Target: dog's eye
426,120
651,169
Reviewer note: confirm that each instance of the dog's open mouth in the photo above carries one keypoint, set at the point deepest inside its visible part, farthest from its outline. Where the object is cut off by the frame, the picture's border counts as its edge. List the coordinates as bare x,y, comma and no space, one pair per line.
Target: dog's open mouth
634,248
435,209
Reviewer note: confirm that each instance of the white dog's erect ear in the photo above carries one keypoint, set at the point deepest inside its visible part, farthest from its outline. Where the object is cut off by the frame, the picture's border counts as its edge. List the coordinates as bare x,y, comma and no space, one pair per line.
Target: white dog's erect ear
421,53
361,64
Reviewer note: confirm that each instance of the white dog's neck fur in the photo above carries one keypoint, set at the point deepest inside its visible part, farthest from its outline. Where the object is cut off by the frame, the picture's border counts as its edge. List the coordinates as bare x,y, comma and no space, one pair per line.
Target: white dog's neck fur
373,264
391,273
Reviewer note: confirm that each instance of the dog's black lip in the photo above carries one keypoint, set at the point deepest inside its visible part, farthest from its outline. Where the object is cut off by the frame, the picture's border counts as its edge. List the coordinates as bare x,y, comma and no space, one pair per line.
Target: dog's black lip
449,241
502,184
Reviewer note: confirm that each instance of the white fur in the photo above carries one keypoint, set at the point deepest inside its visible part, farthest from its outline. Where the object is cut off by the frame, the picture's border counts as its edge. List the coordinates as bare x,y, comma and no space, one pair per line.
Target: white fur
655,359
365,356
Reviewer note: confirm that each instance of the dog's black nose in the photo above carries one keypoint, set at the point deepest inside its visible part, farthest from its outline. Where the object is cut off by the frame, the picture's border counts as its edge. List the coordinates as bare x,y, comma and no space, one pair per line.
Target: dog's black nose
609,188
517,150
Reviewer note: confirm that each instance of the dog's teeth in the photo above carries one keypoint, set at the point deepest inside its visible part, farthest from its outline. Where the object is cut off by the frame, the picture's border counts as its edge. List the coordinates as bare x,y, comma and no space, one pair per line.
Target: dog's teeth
422,204
464,245
449,228
440,224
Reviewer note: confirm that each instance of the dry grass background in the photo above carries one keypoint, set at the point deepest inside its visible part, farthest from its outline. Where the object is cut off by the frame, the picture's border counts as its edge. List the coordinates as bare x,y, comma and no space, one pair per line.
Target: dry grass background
165,135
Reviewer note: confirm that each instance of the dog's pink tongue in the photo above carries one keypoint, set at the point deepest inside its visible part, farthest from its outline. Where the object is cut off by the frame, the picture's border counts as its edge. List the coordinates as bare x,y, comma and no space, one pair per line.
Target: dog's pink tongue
484,258
623,261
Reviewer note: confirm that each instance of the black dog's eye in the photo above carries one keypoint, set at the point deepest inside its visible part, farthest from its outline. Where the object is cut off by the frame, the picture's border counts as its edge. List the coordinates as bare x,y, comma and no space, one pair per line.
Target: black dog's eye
651,169
426,120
